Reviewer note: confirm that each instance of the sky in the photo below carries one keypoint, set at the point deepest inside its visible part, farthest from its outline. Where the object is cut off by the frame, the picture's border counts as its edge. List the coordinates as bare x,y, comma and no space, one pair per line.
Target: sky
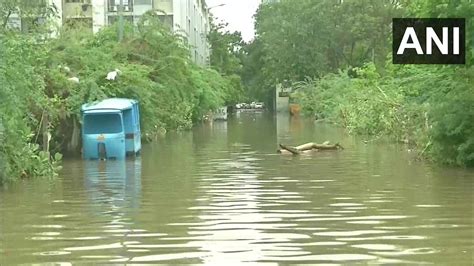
238,13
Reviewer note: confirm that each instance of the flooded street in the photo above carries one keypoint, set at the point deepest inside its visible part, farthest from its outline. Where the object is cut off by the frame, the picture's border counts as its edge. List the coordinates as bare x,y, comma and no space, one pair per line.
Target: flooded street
221,194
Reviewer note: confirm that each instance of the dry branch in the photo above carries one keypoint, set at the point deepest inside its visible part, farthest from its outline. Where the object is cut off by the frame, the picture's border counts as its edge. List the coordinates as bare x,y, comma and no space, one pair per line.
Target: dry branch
311,146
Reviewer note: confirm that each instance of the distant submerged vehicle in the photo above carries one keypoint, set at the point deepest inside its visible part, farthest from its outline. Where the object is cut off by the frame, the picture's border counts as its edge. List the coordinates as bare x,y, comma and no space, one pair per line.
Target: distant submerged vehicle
251,106
110,129
220,114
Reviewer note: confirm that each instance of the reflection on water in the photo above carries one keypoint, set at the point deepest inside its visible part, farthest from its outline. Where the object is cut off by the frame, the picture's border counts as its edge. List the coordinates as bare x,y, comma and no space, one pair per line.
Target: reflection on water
220,194
113,183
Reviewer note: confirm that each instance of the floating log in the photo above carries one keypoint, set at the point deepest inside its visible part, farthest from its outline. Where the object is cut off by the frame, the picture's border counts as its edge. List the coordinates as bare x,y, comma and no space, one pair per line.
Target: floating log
293,150
311,146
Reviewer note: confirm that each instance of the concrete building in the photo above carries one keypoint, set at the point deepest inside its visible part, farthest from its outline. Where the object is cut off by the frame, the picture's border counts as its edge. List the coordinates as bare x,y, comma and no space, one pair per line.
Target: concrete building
188,17
26,21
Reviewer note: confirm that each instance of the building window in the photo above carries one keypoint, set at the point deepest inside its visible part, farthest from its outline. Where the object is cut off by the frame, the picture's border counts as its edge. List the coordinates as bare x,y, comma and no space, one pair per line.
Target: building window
142,2
166,20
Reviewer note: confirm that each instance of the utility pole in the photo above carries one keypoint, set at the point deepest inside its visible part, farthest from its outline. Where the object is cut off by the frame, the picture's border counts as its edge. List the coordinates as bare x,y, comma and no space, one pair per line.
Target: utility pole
120,26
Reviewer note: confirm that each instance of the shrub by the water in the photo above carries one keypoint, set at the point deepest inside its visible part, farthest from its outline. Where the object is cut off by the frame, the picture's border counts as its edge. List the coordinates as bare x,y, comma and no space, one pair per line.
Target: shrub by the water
429,108
39,79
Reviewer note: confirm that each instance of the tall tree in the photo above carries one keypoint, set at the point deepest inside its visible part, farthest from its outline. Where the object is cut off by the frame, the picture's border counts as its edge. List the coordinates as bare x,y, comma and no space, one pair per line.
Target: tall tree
30,12
310,38
226,57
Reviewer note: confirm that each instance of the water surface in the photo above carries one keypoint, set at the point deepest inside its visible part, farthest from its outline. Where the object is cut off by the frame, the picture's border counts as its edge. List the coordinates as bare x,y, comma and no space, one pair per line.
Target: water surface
220,194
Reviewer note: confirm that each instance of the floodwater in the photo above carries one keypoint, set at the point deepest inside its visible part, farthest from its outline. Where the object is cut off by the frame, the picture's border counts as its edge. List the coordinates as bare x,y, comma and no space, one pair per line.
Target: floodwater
221,195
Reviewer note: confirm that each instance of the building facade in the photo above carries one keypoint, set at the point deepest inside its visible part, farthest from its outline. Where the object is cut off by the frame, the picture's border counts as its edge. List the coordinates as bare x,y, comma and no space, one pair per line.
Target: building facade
188,17
24,23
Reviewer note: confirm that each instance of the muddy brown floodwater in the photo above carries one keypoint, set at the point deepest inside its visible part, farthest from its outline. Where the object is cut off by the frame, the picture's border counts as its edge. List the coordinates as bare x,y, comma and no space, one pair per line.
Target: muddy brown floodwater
220,194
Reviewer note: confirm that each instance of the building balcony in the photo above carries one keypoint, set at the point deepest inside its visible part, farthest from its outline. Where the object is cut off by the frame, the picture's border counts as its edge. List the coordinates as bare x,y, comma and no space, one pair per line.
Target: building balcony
114,6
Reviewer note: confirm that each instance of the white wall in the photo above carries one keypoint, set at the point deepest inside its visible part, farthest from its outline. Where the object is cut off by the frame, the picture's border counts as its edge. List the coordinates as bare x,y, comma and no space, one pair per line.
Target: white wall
142,7
58,21
98,14
189,17
179,15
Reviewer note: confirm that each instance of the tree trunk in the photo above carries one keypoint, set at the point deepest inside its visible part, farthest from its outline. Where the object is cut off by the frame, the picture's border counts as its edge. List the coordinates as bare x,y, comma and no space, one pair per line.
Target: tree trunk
308,147
293,150
46,134
74,142
5,20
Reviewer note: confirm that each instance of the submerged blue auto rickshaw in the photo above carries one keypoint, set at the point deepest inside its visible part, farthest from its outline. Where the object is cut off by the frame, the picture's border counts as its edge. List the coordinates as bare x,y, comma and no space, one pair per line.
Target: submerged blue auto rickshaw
110,129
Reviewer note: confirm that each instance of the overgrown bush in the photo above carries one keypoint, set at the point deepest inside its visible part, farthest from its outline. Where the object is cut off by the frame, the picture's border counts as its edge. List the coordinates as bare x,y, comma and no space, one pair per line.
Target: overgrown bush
22,97
431,108
39,79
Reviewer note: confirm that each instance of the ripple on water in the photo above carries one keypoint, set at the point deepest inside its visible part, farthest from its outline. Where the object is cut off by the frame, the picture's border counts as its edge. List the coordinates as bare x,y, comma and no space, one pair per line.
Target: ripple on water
292,201
325,257
379,201
406,252
102,247
48,233
322,243
52,253
356,208
345,211
53,216
345,204
147,235
389,237
42,238
233,226
138,250
366,222
354,218
84,238
440,226
316,187
271,204
124,231
309,228
58,226
103,257
377,247
351,233
163,257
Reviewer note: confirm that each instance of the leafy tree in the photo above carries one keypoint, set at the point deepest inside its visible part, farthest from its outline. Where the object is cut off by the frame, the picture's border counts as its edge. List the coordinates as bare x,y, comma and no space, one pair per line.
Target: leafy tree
307,38
226,48
226,57
34,14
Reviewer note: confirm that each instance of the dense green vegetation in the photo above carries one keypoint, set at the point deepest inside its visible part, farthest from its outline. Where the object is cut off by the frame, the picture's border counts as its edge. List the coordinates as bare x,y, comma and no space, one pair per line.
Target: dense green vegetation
226,57
337,54
39,87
